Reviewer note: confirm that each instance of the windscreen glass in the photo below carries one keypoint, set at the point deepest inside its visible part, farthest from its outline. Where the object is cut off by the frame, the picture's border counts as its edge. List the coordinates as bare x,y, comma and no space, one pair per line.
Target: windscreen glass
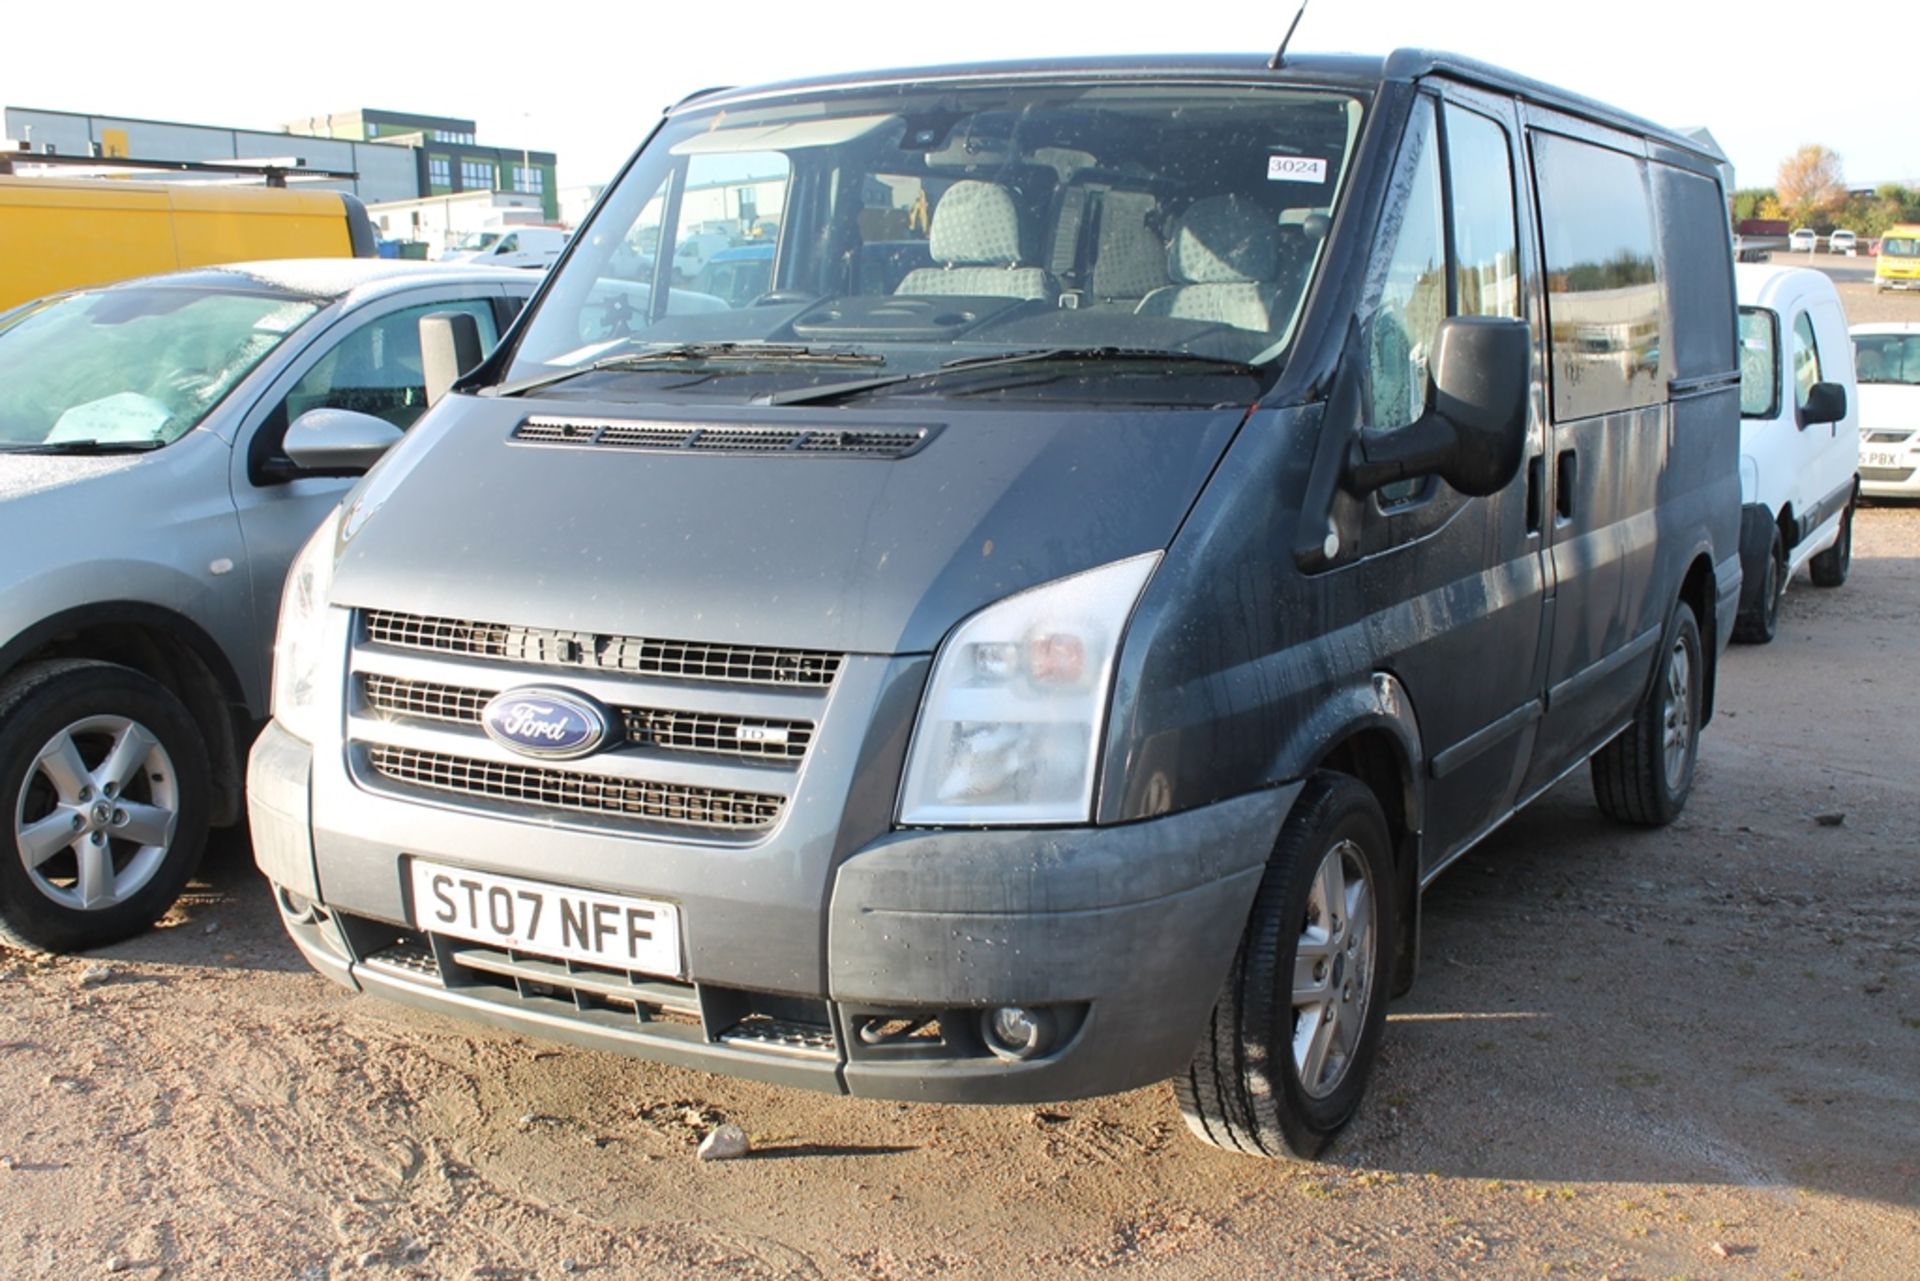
1887,358
912,227
132,367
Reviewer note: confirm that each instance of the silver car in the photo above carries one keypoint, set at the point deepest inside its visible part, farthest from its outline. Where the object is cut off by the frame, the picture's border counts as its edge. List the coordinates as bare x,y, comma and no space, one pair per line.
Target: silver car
148,510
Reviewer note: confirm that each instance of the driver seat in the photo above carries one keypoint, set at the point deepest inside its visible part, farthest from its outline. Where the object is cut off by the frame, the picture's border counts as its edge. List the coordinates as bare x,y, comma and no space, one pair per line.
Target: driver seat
975,239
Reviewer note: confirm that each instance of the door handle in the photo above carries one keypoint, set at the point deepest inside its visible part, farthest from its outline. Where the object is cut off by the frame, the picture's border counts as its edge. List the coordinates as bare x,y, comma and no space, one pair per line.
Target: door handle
1567,471
1536,492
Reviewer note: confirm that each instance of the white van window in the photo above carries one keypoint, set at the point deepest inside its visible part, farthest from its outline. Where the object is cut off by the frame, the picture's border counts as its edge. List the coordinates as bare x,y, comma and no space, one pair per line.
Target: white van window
1759,363
1806,359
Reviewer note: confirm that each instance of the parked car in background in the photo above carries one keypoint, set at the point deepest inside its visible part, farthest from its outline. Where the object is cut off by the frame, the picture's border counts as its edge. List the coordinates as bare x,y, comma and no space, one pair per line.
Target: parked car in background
68,233
691,255
148,508
1897,265
1059,669
1843,241
737,275
1887,361
535,247
1799,439
1801,238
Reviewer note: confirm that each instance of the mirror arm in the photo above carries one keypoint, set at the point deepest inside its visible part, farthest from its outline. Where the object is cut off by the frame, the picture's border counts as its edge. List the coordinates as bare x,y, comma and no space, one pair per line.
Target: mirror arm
1376,459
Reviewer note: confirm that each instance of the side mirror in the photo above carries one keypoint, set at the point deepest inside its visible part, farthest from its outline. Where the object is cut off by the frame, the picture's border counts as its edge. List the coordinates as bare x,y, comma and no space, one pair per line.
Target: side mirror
449,347
1826,403
1474,433
338,442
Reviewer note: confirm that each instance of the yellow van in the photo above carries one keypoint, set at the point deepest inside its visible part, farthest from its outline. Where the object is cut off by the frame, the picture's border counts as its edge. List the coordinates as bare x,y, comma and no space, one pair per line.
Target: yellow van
62,233
1898,266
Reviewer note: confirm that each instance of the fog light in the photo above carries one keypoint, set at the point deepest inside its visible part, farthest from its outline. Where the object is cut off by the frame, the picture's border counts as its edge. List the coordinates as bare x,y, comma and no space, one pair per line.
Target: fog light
1014,1032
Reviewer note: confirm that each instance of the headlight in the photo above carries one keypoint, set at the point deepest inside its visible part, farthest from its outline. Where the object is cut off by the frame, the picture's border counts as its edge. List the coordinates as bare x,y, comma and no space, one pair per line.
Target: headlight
1009,729
299,657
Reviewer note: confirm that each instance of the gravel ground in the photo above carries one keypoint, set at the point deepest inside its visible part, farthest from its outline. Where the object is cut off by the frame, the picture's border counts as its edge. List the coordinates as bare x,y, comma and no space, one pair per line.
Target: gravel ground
1688,1053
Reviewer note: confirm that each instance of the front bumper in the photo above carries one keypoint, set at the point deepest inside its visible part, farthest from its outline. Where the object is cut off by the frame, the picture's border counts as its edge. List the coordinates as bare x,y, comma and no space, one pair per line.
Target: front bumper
1124,934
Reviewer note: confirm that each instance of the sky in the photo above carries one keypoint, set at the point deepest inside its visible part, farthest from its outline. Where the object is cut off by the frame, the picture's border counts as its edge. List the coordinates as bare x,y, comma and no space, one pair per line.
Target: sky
587,79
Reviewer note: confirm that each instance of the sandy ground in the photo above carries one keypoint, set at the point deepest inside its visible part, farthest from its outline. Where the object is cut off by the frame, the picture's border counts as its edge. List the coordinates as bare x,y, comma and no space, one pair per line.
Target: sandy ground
1689,1053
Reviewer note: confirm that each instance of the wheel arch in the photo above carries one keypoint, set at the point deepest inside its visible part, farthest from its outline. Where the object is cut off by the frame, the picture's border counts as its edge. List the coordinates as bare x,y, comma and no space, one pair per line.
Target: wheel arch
1698,592
1372,734
171,649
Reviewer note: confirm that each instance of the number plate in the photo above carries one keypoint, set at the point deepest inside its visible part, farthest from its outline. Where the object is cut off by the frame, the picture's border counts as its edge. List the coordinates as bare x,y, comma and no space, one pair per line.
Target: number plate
1877,459
613,930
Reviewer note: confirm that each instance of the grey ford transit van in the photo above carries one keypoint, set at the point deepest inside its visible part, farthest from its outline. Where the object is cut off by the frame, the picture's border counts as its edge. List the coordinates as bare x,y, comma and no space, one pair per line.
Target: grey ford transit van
1160,514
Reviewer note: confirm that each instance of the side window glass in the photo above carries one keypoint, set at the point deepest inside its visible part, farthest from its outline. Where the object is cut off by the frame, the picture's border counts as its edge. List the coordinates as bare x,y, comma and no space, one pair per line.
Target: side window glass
1413,293
376,368
1806,360
1759,363
1606,307
509,245
1485,243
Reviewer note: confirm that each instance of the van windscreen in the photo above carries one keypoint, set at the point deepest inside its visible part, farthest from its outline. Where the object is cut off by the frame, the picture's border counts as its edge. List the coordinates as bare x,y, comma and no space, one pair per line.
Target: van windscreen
914,226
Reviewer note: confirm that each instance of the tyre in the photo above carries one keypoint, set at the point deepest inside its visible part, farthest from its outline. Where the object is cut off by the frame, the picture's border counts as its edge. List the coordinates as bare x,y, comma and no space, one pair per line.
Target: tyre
1757,623
1831,567
1644,775
1298,1024
103,787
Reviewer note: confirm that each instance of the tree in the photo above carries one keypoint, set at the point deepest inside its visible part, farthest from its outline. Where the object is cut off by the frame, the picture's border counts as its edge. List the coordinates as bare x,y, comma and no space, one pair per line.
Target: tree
1746,202
1811,185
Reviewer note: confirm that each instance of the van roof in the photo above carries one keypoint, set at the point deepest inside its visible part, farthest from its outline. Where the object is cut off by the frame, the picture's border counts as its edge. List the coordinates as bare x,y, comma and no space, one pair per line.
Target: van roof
1355,71
1762,284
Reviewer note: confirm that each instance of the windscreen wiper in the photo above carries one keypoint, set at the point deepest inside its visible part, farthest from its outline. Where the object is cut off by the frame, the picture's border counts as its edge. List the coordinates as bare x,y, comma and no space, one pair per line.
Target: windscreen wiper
1175,362
779,353
83,447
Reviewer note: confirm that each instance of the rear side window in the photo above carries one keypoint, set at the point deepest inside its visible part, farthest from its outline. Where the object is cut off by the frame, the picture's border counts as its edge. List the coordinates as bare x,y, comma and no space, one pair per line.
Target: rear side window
1759,363
1696,268
1605,296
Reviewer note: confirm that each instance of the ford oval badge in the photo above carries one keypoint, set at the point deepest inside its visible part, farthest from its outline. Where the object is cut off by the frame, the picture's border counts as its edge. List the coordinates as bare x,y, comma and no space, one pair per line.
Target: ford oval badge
550,723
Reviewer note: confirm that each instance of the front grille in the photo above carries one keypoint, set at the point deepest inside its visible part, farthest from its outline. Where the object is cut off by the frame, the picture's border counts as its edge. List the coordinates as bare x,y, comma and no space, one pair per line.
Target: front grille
759,738
676,437
425,699
689,660
1891,475
782,1036
703,807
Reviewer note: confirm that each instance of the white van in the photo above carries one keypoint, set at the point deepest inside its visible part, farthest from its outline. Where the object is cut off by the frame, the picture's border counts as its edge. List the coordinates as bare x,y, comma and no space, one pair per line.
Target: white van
535,247
1887,361
1799,439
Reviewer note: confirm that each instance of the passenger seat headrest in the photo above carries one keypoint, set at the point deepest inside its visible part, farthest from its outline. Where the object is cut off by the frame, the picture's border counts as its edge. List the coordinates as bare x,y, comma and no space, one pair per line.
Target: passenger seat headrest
1224,240
975,225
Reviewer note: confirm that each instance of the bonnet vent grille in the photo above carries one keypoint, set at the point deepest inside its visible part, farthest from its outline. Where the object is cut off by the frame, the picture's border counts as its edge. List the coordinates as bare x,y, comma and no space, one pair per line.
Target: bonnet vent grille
721,438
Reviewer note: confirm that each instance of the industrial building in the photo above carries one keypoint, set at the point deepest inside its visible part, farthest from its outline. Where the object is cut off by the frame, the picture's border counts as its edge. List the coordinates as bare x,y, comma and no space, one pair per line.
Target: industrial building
397,155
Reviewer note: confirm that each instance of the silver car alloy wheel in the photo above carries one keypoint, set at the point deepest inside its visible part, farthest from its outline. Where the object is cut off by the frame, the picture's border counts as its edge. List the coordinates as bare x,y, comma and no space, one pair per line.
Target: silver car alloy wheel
1333,970
97,812
1677,718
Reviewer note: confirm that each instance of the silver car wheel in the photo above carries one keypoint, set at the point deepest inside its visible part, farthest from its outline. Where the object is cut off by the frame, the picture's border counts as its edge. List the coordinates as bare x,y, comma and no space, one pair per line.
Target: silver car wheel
97,813
1333,970
1677,716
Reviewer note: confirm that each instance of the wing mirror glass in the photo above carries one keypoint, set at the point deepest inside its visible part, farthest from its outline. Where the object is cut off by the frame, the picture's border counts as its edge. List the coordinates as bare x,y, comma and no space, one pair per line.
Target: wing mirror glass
1473,434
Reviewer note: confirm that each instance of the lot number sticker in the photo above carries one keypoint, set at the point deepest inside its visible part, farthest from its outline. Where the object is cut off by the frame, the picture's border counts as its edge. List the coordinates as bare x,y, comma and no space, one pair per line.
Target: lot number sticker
1296,169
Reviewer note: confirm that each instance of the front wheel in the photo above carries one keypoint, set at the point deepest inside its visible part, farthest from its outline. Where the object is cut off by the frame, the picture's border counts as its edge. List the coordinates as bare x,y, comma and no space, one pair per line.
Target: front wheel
1645,774
1831,567
1756,624
103,785
1296,1028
